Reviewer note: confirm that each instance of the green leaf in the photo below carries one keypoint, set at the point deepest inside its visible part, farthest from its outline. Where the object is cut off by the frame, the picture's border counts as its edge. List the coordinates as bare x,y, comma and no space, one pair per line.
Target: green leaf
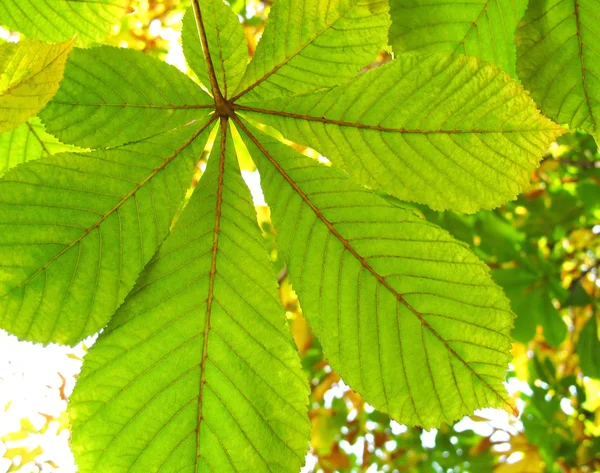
197,370
29,75
77,229
578,296
312,44
588,348
406,315
28,142
452,133
111,96
482,29
58,20
225,37
531,297
558,60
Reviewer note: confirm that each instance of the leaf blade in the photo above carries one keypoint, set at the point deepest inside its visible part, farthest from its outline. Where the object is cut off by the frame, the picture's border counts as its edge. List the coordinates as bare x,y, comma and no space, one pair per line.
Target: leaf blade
296,55
207,354
410,267
28,142
74,236
226,41
484,30
110,96
451,133
30,72
58,20
558,61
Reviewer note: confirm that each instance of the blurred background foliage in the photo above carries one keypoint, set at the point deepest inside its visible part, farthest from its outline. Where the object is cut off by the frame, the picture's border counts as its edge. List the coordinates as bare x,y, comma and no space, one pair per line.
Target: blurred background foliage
543,248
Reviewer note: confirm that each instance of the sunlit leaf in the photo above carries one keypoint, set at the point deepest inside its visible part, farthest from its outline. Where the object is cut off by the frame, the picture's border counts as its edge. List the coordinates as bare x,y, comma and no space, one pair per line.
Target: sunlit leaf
558,48
30,72
197,369
58,20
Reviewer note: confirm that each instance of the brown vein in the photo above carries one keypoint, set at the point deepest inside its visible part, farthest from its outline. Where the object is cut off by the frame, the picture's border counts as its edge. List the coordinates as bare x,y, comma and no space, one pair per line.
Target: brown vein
214,84
329,121
211,284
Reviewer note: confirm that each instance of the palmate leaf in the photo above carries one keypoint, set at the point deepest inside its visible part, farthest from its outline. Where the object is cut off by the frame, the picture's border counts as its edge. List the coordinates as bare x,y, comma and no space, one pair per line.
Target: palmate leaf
58,20
558,60
406,315
482,29
452,133
225,38
79,228
28,142
30,72
197,370
110,96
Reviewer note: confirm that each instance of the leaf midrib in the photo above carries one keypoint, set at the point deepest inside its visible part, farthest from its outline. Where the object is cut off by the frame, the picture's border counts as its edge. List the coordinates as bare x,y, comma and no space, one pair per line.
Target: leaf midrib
329,121
115,208
365,263
134,105
211,285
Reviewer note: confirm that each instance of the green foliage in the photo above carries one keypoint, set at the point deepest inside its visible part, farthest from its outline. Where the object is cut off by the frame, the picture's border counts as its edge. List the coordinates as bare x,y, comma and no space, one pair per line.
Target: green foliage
466,137
559,62
395,280
99,106
30,73
59,20
198,362
483,29
195,368
67,262
326,43
28,142
224,37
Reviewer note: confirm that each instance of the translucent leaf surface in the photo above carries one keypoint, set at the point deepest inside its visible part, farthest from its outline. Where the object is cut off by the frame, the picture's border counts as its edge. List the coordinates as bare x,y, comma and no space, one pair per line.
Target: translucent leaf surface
452,133
311,44
225,38
409,317
58,20
28,142
197,371
558,48
79,228
482,29
30,72
111,96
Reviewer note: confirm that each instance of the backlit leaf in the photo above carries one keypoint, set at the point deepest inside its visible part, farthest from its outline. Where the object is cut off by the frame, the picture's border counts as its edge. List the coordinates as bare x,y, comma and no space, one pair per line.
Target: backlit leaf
79,228
482,29
58,20
225,38
197,371
312,44
406,315
111,96
558,49
28,142
452,133
29,75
